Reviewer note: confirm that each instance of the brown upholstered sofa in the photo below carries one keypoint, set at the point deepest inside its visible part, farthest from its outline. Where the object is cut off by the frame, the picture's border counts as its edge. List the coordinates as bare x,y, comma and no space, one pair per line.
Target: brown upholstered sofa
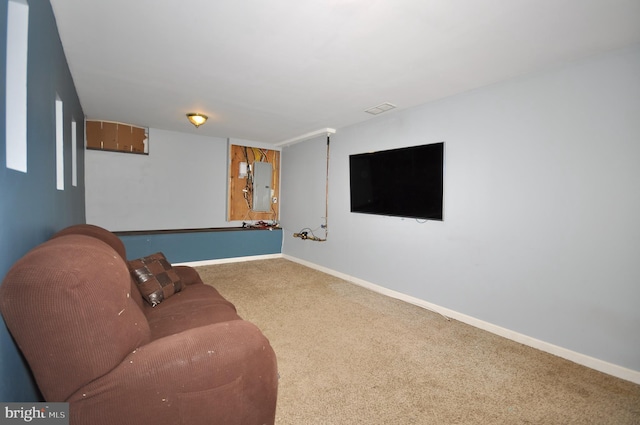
91,339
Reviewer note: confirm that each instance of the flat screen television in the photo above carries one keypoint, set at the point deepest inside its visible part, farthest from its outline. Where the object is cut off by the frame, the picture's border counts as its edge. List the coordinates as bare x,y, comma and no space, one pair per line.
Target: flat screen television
404,182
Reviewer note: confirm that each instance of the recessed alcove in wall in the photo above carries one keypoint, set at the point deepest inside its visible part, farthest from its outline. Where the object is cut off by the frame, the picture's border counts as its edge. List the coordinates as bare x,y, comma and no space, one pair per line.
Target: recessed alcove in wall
59,144
74,153
16,85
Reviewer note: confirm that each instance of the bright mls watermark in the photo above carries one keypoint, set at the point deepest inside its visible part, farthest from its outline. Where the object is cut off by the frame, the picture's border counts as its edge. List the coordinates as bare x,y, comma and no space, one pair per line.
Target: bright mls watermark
34,413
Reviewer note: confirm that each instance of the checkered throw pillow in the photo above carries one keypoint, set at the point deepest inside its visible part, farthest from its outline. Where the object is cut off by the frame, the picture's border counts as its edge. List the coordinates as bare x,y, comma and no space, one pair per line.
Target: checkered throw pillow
155,278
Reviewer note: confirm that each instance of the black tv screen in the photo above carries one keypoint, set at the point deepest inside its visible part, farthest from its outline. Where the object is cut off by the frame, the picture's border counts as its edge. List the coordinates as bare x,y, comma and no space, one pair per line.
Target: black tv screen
405,182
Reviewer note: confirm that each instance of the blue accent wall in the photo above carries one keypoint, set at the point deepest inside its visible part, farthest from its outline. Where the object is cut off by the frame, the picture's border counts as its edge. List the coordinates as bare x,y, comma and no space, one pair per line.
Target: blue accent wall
31,208
188,246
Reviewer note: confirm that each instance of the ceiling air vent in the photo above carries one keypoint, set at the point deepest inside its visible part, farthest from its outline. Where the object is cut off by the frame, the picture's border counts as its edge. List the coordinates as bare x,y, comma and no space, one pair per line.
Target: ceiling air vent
383,107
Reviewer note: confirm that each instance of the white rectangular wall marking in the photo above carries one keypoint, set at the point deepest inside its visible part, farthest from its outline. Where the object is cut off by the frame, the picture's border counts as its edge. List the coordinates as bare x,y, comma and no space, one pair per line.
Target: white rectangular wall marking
74,153
59,144
16,85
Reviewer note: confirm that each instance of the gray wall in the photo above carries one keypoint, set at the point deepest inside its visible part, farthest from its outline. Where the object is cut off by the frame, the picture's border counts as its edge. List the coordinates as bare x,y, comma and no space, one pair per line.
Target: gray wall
158,191
540,234
181,184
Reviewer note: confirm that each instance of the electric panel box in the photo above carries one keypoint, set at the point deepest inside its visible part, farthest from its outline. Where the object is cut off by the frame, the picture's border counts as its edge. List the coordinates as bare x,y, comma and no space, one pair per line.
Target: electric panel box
262,177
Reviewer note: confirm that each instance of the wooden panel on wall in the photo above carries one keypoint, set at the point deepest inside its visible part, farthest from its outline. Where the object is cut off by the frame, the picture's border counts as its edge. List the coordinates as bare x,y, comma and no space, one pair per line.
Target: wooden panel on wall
109,136
113,136
94,134
240,186
124,138
138,136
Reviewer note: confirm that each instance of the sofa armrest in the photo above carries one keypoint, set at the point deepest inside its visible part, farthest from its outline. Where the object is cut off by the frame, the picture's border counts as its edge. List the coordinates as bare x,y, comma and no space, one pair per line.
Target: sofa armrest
221,373
188,275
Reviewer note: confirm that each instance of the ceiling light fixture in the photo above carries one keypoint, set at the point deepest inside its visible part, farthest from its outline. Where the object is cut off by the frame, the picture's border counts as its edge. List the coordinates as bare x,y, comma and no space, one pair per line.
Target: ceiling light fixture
197,119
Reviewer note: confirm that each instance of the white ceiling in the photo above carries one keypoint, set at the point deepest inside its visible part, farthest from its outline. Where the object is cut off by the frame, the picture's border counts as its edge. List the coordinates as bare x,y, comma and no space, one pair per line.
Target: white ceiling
270,71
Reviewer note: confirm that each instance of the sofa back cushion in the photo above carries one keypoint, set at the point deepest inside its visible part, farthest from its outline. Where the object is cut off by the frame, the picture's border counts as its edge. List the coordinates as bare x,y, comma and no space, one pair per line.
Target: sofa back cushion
105,236
68,305
97,232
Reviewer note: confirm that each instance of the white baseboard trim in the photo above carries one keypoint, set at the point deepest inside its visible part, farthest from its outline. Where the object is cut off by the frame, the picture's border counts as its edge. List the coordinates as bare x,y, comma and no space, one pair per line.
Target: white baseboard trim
229,260
582,359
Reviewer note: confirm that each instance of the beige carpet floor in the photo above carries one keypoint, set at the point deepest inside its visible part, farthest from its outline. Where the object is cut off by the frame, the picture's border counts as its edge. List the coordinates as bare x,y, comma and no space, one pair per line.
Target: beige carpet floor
347,355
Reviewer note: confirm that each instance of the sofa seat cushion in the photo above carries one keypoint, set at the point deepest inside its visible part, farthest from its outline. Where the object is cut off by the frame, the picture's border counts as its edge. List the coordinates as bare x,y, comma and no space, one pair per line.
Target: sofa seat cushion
196,305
